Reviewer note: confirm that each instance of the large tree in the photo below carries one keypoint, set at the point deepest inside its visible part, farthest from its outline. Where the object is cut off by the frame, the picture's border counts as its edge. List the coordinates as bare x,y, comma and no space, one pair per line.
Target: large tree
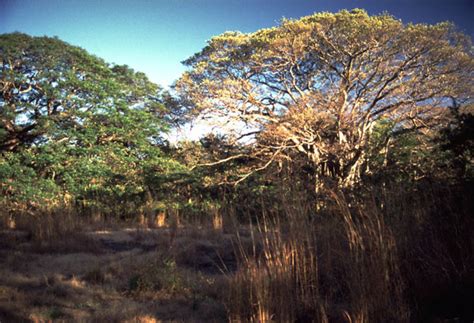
48,86
75,127
315,87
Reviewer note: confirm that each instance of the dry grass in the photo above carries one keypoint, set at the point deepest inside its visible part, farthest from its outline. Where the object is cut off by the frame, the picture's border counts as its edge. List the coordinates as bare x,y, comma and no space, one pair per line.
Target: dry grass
279,279
387,256
131,275
365,262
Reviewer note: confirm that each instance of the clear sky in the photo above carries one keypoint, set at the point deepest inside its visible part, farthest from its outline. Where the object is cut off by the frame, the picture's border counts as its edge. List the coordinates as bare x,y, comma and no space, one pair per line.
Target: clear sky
154,36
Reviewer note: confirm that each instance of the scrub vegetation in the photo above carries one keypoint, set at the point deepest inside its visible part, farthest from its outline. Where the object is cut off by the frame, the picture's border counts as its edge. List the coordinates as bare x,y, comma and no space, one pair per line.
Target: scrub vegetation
334,183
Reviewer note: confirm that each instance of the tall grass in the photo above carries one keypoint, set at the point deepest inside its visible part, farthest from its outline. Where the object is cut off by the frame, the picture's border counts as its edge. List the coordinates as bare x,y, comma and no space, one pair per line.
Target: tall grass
279,280
390,253
371,258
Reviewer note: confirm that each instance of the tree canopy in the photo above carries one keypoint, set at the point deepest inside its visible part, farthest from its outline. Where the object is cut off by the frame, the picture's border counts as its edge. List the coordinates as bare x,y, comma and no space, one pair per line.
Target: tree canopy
74,126
314,88
48,86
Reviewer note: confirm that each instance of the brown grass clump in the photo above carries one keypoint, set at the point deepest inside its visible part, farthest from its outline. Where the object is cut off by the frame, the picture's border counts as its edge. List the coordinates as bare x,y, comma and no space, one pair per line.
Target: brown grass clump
341,265
396,254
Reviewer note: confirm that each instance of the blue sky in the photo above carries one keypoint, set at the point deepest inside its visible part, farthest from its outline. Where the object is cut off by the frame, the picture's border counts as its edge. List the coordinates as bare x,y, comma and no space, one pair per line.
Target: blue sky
155,36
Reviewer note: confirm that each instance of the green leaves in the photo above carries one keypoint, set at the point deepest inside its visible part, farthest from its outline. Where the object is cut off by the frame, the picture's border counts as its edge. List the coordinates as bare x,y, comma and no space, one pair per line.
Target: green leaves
46,78
73,125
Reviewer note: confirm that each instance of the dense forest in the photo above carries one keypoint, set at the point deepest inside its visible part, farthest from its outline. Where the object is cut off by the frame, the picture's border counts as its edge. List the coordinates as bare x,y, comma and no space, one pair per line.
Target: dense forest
337,169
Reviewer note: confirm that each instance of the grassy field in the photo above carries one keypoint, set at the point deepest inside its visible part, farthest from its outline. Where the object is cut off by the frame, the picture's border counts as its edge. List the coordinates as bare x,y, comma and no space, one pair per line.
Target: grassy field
115,274
400,261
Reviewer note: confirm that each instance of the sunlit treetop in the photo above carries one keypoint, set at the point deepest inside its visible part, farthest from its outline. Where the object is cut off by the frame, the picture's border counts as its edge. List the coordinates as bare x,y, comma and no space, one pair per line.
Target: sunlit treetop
316,86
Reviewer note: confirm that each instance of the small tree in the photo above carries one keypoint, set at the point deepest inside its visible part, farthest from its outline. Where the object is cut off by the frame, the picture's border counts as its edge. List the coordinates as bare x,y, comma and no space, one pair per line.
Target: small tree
314,88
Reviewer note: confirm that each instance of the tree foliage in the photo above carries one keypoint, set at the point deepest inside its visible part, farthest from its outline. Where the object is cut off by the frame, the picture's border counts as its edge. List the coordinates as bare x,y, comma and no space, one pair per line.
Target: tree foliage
76,129
48,87
313,89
